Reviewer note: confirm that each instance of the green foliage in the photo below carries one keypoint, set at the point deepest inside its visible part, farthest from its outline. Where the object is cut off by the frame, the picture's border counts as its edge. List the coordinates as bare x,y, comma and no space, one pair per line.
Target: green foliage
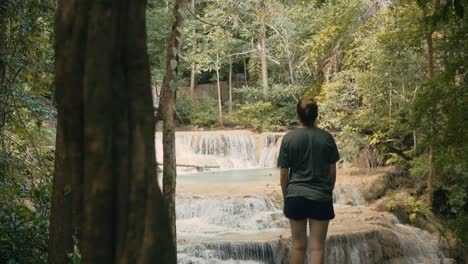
24,219
26,143
158,24
460,227
417,208
392,203
274,112
263,116
280,95
201,112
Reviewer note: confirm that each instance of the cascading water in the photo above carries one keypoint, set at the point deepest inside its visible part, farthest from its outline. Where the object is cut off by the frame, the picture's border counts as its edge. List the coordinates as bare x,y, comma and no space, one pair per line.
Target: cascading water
227,214
221,218
221,150
268,156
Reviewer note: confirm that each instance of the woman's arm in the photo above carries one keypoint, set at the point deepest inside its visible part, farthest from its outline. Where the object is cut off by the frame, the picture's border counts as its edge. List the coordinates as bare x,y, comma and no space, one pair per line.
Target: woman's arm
284,180
333,174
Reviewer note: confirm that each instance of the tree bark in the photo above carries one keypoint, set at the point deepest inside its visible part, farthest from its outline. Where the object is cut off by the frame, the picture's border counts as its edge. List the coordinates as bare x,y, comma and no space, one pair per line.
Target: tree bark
262,48
168,109
105,189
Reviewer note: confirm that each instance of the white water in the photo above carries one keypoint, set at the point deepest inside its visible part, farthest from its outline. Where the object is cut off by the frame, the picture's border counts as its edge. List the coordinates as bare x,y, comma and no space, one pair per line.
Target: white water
269,152
246,229
236,149
212,216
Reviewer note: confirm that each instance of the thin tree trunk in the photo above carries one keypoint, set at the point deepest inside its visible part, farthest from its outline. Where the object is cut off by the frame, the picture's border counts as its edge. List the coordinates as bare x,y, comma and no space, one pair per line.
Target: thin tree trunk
219,91
169,100
3,50
262,48
230,84
105,191
3,69
430,55
390,108
430,74
192,73
291,71
245,72
192,83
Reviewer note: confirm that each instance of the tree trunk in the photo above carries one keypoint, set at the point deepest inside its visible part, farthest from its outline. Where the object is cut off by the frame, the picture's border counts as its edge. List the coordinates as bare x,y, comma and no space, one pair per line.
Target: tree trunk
430,55
390,107
230,84
3,49
192,83
220,108
168,108
246,81
192,73
262,48
3,68
291,70
430,75
105,189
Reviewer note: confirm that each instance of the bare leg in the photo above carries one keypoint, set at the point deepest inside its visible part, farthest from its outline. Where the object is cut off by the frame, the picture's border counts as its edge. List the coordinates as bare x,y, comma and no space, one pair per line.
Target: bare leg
318,234
299,240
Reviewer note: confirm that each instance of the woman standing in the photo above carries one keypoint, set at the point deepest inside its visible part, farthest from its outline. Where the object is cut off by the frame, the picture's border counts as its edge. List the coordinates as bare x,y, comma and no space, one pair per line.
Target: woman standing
307,159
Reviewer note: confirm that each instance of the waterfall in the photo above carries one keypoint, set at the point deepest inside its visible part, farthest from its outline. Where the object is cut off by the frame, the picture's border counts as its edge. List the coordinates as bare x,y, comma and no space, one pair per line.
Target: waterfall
268,156
234,149
233,213
227,214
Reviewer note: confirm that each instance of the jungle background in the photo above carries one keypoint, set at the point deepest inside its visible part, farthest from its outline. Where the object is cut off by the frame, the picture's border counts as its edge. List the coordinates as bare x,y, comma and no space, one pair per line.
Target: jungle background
389,76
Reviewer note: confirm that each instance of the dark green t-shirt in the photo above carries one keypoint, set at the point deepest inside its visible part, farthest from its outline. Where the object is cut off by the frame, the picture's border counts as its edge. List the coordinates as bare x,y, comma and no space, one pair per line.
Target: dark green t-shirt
308,153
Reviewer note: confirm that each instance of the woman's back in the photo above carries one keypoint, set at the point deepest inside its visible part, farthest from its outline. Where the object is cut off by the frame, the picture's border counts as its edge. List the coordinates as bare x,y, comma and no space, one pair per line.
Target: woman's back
308,152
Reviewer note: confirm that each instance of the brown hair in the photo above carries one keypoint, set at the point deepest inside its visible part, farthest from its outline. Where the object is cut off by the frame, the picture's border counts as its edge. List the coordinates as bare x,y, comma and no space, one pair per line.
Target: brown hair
307,110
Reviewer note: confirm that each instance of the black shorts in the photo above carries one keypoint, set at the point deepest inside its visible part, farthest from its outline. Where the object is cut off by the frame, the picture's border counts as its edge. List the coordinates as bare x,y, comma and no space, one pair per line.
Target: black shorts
302,208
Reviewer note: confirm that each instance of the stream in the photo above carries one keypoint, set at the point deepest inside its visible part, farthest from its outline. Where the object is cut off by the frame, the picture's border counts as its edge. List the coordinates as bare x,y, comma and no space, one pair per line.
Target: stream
232,213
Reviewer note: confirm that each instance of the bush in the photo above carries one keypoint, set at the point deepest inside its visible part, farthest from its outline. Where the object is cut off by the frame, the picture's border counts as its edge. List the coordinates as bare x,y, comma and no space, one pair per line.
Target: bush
460,227
24,221
184,109
23,235
200,112
264,116
275,111
278,94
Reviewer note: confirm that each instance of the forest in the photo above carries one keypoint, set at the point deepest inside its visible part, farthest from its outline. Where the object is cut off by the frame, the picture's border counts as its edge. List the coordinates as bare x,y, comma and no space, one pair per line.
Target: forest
83,83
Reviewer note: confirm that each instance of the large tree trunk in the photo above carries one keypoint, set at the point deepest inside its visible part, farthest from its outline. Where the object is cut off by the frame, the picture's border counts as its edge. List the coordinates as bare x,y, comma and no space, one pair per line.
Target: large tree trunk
168,109
105,188
262,48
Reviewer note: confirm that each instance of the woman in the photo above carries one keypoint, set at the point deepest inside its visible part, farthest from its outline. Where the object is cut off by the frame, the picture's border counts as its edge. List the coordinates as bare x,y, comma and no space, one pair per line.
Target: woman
307,159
